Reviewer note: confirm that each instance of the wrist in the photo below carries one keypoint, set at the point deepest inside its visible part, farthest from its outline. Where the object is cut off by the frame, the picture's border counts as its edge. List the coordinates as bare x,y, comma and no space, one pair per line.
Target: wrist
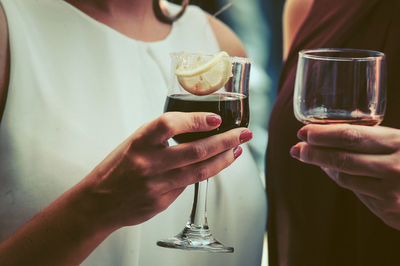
90,210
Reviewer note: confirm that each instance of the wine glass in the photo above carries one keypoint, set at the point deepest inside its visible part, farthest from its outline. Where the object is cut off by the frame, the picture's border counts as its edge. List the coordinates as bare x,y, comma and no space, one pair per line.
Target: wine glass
335,86
231,102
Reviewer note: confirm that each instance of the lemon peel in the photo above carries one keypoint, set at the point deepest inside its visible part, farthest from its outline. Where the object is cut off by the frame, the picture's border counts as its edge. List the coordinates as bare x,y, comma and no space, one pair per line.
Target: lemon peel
202,75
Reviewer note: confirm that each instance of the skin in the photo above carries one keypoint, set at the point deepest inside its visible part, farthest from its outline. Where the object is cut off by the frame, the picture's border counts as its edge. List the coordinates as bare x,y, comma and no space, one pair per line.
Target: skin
365,160
362,159
138,179
294,14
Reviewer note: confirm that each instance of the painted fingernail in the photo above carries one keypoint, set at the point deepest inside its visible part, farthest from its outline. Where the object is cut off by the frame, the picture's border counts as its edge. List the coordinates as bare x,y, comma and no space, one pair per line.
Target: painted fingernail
302,134
245,135
213,120
295,152
237,151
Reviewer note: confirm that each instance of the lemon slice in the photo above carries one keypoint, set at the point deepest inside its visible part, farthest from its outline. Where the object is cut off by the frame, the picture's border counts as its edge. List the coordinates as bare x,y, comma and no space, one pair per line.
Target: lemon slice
202,75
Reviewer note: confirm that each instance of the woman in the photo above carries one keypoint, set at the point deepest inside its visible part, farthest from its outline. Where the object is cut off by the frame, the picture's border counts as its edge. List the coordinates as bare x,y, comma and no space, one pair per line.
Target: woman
312,220
84,78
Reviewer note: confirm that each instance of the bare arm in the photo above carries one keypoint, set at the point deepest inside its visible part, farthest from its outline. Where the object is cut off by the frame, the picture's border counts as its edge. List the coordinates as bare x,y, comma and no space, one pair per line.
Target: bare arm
294,14
136,181
227,39
4,61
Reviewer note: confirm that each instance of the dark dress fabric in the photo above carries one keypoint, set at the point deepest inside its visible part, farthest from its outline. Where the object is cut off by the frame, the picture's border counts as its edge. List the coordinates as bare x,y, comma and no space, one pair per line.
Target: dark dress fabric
311,220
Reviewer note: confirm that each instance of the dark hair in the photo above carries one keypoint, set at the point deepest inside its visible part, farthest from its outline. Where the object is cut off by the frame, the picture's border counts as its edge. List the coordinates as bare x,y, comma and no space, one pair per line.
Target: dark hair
165,18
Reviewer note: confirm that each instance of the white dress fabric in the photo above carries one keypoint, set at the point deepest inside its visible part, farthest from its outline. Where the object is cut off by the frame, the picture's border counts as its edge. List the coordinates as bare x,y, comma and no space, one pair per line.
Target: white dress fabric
77,89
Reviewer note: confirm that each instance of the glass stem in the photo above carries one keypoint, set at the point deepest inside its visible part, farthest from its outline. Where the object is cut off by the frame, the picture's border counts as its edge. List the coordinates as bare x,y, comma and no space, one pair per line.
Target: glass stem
198,216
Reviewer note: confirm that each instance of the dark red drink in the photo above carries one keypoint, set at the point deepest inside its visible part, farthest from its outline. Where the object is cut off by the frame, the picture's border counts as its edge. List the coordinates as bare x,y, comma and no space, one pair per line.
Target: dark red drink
232,107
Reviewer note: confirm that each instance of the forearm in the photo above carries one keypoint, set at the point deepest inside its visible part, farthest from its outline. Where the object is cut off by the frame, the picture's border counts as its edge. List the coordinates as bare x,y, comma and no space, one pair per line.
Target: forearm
64,233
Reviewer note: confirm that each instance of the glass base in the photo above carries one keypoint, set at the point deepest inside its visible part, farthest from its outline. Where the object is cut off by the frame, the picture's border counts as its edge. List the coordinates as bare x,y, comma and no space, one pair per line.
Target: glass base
197,238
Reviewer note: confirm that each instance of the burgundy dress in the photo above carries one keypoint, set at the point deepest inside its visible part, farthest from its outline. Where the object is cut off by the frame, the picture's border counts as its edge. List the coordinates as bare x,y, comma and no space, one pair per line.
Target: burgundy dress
312,221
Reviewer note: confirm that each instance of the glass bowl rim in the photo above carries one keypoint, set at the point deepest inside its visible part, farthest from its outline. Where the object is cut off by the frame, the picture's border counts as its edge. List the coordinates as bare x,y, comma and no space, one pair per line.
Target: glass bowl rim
235,59
370,55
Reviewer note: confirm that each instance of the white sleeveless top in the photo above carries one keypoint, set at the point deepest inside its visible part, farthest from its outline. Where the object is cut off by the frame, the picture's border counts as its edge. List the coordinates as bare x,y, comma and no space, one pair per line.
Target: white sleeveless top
79,88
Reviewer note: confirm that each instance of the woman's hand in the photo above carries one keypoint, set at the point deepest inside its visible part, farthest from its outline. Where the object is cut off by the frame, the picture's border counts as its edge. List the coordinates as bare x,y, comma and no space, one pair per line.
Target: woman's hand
144,175
139,179
363,159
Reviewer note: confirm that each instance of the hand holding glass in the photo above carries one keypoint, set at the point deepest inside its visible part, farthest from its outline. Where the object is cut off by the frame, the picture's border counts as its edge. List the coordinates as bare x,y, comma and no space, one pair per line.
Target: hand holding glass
232,104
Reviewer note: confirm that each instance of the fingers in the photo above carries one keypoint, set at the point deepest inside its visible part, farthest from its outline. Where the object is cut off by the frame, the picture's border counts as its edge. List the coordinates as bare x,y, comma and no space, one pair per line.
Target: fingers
378,195
387,211
182,177
162,160
372,165
370,202
174,123
374,140
369,186
194,152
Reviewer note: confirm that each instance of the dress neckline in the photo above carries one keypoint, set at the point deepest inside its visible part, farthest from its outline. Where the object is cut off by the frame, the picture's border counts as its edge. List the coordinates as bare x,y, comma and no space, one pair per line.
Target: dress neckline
107,28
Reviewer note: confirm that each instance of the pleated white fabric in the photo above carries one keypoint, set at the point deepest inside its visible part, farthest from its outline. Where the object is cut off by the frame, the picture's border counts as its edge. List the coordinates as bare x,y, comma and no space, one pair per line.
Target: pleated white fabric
78,88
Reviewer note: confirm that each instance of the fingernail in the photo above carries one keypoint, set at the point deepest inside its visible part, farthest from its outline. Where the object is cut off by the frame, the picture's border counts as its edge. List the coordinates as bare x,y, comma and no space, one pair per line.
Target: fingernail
295,152
237,151
213,120
245,135
302,134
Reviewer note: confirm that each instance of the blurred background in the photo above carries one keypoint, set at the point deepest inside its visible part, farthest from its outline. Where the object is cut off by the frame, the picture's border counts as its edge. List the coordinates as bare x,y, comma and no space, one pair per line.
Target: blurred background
258,23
